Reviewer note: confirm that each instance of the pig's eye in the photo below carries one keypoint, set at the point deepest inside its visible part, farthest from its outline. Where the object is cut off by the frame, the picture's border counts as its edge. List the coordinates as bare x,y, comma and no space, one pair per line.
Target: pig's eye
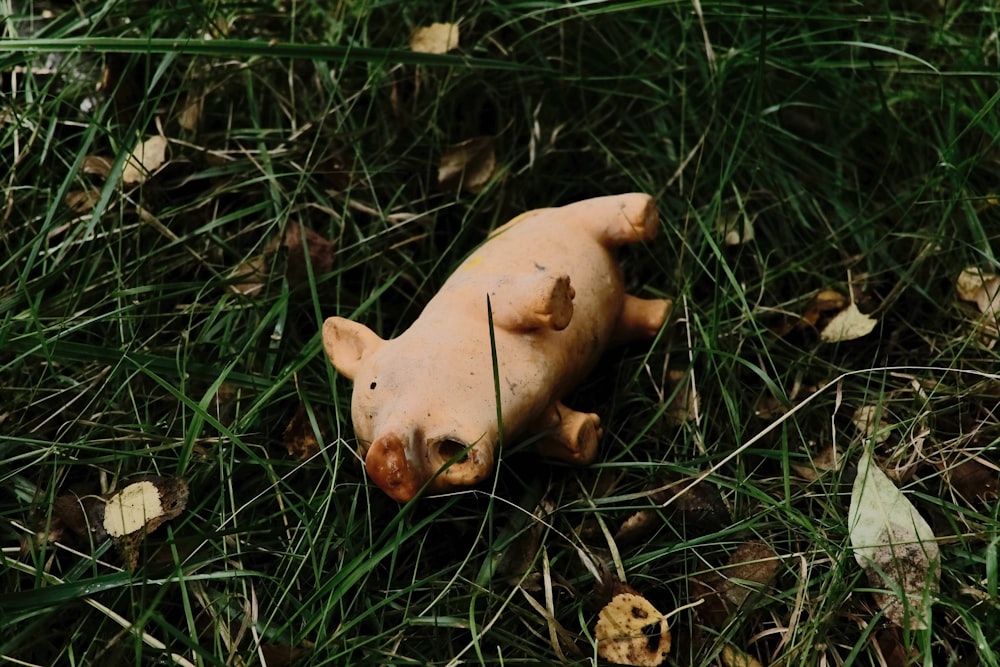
371,386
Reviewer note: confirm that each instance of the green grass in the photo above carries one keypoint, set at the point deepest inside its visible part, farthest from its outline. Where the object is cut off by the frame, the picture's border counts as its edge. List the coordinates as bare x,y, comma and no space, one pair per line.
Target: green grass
860,138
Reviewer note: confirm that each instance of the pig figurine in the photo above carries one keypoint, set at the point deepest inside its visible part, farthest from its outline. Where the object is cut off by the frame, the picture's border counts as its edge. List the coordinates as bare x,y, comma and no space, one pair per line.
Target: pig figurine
424,403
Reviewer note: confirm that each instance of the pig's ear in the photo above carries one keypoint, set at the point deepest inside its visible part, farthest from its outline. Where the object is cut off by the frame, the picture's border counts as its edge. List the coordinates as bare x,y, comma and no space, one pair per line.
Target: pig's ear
347,343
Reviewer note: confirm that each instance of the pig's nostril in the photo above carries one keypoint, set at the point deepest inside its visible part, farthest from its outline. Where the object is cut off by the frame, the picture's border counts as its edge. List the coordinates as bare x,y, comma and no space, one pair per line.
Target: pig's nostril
450,449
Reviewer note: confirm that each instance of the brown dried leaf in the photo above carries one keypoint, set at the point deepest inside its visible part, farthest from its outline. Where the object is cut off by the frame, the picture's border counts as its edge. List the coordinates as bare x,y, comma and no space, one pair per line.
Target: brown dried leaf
97,165
826,301
894,651
700,506
751,569
825,461
638,526
715,608
190,116
321,253
630,631
974,480
147,157
252,276
468,165
72,512
683,405
281,655
300,438
436,38
82,201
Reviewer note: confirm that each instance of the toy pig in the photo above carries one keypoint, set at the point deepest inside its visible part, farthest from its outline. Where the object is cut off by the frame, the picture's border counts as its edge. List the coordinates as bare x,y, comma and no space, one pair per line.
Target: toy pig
424,403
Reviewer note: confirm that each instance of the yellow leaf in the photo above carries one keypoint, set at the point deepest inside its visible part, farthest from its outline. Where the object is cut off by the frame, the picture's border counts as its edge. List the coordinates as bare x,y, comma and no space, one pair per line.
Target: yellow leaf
435,38
848,324
733,657
630,631
147,157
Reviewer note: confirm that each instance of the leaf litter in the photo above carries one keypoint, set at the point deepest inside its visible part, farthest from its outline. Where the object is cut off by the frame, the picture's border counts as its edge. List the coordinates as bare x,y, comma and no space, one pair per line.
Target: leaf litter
126,516
436,38
848,324
631,631
145,158
468,165
895,546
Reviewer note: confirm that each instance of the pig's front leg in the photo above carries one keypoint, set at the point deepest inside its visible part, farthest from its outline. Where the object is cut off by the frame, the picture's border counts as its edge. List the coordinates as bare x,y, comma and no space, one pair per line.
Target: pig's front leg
573,437
528,301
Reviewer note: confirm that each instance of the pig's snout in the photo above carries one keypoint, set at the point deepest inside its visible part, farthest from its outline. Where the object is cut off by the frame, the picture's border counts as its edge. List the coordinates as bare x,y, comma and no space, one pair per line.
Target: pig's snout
468,465
402,477
389,468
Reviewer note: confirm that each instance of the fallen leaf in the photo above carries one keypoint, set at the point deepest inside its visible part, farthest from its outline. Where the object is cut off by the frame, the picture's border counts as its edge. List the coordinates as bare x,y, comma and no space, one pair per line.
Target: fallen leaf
468,165
319,249
518,558
868,420
300,438
769,407
894,545
733,657
96,165
281,655
683,400
436,38
144,505
699,508
828,459
250,276
125,516
974,480
848,324
71,512
713,606
82,201
751,568
190,116
147,157
894,651
981,288
630,631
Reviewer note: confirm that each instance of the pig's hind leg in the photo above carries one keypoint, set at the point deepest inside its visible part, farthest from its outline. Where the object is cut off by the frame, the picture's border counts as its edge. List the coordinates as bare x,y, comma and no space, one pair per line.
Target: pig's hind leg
617,219
640,319
569,436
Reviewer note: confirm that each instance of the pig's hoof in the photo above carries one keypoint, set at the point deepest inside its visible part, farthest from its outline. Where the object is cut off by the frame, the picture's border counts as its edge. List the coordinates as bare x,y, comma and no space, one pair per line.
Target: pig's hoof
640,319
576,436
587,436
